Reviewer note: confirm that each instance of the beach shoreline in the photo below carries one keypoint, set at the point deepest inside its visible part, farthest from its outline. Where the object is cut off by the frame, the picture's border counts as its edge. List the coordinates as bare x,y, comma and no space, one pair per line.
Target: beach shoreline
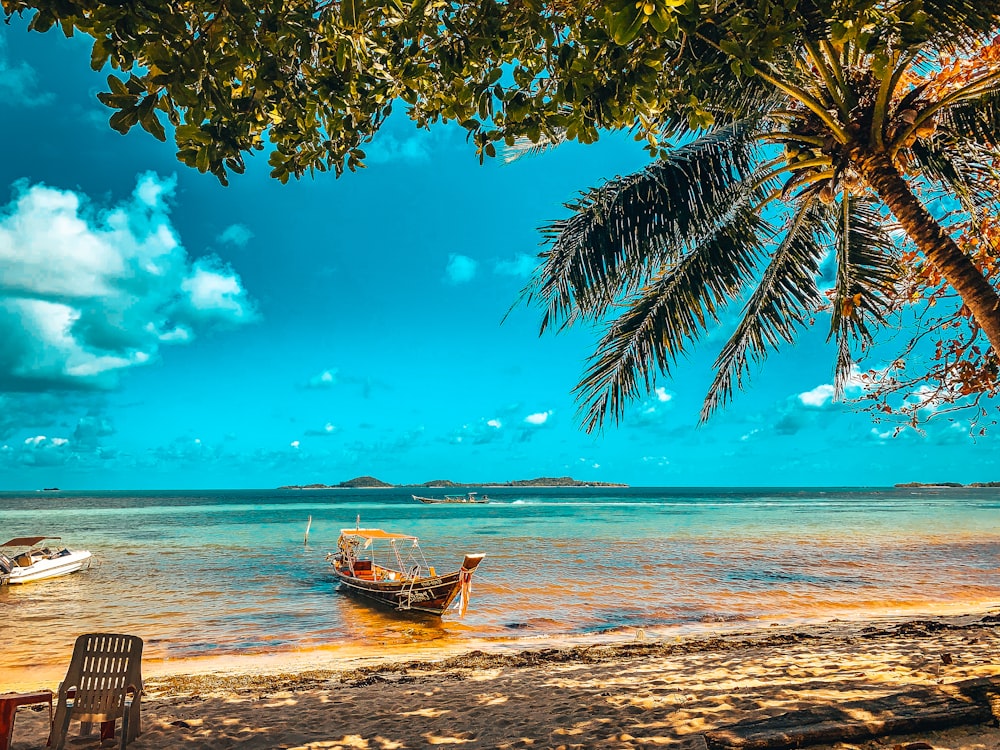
383,653
642,691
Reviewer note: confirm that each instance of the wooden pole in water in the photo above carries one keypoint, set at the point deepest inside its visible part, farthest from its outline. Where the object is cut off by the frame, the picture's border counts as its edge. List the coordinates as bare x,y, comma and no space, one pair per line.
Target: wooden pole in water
306,540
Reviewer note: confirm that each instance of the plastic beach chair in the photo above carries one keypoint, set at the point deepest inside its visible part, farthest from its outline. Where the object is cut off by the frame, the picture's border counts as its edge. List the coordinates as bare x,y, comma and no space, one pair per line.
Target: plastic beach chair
103,683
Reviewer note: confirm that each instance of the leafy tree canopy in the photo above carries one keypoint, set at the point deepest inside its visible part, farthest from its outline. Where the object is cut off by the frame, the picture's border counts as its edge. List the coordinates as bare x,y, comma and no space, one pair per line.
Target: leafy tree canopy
783,132
317,78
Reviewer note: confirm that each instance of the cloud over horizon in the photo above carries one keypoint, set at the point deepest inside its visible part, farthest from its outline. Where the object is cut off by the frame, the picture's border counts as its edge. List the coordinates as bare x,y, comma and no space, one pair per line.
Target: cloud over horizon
88,292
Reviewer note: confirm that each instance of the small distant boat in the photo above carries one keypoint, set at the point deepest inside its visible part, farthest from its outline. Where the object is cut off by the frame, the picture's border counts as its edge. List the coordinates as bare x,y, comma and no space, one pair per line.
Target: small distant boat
471,497
23,561
390,569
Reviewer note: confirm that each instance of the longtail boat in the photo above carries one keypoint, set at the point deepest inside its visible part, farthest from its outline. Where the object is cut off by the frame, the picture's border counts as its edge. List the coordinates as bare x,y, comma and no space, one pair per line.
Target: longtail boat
390,569
469,498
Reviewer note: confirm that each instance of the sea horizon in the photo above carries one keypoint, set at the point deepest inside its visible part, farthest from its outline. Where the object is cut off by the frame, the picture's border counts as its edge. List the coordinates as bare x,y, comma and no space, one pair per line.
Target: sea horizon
979,484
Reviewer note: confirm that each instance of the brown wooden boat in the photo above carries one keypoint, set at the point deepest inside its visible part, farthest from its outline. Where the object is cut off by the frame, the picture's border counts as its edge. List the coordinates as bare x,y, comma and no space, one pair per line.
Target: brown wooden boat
460,499
390,569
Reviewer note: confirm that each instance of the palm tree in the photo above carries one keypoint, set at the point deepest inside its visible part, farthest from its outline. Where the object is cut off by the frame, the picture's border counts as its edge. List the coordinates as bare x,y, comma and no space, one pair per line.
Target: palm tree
830,149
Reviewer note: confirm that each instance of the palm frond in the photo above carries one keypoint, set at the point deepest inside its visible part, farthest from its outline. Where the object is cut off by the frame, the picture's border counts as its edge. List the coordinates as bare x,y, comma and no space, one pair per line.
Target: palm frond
866,273
782,303
976,119
960,24
963,170
666,316
626,230
524,146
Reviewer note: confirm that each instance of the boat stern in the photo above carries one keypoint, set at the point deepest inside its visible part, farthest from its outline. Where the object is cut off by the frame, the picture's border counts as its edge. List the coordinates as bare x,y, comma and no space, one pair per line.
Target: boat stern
471,562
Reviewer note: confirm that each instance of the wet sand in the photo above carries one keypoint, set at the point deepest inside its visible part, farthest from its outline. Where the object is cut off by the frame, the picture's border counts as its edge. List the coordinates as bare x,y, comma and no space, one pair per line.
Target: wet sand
639,692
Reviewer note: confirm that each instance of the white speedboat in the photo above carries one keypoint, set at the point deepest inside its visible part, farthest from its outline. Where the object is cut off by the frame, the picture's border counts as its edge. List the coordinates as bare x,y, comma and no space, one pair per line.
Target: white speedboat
22,560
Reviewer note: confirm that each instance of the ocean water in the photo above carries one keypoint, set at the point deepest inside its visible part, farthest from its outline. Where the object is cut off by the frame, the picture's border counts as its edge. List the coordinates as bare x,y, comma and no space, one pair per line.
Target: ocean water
227,572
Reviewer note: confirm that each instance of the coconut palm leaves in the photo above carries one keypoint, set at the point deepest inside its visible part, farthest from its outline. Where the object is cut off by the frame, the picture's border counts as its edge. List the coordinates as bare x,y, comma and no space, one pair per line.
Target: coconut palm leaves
673,309
855,136
624,232
680,277
784,300
866,272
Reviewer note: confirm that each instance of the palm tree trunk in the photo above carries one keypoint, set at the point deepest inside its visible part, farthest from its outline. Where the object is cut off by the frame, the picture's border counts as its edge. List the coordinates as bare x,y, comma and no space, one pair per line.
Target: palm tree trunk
940,249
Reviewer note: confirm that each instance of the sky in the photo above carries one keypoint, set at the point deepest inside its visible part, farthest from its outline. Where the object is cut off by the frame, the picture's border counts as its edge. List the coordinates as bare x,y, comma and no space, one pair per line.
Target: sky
161,331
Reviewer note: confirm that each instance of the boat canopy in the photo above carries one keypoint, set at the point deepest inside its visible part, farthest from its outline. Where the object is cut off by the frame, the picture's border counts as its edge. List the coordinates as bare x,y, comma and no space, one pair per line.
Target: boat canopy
374,534
27,541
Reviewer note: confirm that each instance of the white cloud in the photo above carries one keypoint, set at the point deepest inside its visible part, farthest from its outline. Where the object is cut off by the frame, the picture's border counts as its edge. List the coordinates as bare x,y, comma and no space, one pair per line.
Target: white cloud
483,431
881,436
325,379
294,444
651,412
235,234
87,293
460,269
539,418
39,451
19,83
520,265
819,396
214,292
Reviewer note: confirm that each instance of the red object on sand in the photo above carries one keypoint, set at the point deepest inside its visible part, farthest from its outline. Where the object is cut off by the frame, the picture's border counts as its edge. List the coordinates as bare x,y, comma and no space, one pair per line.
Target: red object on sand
9,703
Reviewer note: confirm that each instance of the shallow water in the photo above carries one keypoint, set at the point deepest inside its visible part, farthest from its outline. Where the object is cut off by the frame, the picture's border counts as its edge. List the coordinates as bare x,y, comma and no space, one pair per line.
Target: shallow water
226,572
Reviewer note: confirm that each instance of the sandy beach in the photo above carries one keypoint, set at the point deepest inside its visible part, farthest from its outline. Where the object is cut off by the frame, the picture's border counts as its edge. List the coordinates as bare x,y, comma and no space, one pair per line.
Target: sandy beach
643,693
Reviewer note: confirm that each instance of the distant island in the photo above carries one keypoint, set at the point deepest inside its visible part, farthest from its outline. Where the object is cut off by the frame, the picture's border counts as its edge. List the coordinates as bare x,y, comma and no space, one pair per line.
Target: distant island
946,484
371,482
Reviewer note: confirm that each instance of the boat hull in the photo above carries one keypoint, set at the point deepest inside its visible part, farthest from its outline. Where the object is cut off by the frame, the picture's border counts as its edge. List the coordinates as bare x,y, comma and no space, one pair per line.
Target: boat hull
443,501
51,567
430,594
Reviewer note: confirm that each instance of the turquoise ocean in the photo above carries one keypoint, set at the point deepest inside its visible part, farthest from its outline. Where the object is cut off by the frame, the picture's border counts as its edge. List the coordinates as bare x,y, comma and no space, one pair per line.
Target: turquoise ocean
217,573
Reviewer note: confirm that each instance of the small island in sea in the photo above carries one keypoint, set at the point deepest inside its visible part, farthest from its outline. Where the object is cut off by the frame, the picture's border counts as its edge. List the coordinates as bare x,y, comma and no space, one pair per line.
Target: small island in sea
367,482
949,485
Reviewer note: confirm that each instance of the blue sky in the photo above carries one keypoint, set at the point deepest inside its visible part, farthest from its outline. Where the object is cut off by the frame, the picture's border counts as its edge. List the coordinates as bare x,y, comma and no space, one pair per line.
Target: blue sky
158,330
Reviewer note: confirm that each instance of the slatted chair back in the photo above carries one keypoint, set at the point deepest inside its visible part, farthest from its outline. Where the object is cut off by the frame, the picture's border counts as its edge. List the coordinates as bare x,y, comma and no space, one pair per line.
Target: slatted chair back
105,666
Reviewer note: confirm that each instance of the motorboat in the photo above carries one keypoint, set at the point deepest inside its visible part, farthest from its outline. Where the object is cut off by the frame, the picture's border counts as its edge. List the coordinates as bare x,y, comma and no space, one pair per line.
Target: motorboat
471,497
23,560
390,568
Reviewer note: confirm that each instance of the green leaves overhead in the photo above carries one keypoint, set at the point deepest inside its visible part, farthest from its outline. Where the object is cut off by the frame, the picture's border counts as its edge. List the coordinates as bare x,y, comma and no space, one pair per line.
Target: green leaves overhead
313,81
835,100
